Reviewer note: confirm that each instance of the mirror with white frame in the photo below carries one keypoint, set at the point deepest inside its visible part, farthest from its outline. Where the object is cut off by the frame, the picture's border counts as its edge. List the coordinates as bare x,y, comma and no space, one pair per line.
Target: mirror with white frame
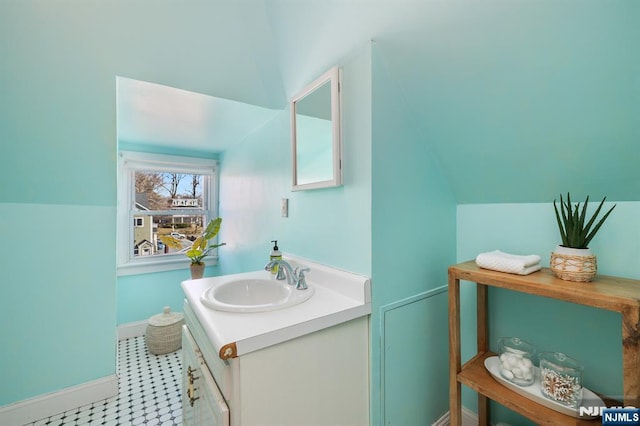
315,133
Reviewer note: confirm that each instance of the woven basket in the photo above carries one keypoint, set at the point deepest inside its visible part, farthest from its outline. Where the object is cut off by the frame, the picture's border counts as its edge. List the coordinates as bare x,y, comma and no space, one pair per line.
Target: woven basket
164,332
571,267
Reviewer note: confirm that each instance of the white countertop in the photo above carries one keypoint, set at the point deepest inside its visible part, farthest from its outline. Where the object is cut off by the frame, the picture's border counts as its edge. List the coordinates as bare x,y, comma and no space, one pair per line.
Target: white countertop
339,296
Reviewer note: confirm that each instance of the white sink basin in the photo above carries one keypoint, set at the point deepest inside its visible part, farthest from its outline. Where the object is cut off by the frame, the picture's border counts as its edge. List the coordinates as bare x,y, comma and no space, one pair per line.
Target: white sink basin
253,295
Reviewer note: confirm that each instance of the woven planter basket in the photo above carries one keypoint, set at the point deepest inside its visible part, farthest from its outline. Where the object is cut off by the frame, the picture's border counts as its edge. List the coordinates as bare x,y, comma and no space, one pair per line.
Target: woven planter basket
164,332
569,266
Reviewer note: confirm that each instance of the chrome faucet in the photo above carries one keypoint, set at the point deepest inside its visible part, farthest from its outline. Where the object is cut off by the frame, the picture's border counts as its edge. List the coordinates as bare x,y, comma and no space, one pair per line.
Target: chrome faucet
285,270
301,284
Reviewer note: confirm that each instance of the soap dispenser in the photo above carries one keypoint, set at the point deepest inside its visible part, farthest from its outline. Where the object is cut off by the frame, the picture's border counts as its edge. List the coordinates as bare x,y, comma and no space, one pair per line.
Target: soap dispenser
275,255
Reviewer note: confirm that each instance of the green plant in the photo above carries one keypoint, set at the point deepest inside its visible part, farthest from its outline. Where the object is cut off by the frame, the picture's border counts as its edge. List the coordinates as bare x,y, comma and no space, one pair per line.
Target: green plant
571,222
200,247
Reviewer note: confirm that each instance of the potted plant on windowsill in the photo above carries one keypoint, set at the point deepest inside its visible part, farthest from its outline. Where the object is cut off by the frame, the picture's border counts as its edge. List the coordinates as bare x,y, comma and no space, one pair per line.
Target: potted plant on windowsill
200,248
573,260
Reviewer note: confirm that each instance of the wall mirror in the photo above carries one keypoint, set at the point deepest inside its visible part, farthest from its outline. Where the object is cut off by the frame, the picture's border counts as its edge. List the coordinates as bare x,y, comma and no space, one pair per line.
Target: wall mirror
315,133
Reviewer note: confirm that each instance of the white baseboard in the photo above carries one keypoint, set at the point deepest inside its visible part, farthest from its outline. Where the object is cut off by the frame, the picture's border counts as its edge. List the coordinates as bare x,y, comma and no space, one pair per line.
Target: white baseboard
132,329
469,418
47,405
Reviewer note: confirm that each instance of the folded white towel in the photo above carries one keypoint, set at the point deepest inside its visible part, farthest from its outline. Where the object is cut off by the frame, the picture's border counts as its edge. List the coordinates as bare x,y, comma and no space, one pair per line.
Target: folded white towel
512,263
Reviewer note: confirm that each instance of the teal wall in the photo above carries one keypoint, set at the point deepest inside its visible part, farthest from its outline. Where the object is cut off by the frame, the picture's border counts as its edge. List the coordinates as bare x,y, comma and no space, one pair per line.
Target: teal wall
524,99
58,290
254,176
590,335
330,226
142,295
57,204
413,211
521,106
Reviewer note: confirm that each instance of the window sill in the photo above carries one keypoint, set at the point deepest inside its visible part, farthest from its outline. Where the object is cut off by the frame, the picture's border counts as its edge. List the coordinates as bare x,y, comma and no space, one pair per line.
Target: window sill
158,265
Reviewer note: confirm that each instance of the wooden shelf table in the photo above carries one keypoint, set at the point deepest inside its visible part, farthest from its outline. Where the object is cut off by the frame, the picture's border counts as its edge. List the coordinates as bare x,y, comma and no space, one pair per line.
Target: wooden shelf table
604,292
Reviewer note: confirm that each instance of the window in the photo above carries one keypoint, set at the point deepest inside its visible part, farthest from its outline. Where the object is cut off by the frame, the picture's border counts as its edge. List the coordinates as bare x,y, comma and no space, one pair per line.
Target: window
161,195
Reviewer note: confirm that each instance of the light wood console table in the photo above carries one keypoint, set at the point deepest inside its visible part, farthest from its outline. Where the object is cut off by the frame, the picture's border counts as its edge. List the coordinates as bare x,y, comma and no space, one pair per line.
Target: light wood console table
604,292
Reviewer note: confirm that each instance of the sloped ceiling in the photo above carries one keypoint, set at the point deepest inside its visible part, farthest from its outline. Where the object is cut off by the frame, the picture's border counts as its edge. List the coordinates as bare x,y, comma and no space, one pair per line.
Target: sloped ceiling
524,100
218,48
197,75
519,100
163,116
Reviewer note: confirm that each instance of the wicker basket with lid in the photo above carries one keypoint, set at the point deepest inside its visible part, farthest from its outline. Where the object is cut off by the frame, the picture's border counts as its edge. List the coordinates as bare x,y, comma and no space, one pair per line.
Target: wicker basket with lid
164,332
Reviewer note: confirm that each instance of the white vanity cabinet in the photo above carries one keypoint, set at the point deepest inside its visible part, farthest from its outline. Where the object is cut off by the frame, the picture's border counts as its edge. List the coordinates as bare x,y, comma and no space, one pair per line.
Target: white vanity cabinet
320,378
202,402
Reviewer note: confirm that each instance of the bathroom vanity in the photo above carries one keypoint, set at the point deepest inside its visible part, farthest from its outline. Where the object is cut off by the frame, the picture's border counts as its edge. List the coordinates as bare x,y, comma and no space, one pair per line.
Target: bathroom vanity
303,364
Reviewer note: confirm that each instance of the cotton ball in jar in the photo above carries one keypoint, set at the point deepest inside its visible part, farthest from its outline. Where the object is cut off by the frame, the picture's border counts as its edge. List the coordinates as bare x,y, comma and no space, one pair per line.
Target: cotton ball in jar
507,374
515,362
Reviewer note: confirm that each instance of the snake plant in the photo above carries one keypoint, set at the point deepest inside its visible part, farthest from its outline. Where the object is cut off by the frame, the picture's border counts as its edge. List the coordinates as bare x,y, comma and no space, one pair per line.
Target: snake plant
571,222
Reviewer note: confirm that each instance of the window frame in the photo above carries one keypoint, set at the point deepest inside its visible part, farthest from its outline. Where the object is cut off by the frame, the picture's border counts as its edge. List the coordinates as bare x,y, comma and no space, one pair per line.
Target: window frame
128,163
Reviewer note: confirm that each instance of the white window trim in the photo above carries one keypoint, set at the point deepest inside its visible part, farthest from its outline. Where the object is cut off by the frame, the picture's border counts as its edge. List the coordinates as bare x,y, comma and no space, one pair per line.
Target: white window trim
129,161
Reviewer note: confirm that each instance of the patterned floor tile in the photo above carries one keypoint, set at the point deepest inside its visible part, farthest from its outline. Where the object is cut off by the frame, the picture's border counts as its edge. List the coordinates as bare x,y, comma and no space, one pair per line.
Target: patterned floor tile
147,389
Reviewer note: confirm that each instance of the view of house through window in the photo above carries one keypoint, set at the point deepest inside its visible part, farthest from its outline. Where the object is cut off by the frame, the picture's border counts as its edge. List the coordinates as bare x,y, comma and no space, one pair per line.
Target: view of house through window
167,203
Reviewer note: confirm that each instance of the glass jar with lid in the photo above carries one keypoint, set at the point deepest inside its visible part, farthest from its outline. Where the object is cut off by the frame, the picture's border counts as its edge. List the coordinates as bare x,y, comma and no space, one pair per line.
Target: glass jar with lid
561,378
515,361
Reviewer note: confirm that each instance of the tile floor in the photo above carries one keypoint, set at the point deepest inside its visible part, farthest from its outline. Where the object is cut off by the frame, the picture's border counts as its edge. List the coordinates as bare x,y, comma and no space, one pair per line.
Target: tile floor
148,392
